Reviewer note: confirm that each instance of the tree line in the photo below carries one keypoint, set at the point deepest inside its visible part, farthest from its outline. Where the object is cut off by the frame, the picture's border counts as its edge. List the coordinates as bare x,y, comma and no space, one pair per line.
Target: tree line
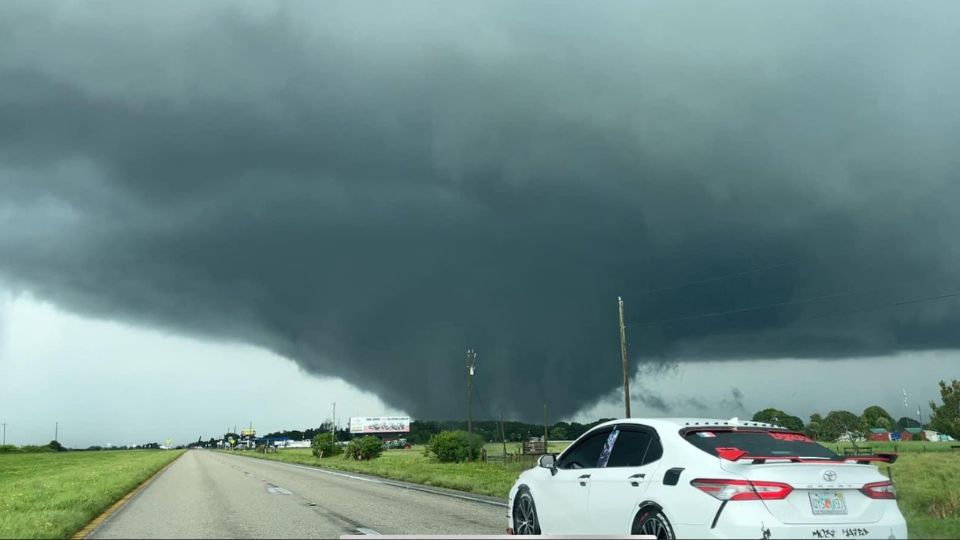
944,418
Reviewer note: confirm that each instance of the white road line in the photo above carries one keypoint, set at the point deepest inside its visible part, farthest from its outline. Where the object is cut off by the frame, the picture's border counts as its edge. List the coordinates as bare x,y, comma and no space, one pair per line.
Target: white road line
366,531
276,490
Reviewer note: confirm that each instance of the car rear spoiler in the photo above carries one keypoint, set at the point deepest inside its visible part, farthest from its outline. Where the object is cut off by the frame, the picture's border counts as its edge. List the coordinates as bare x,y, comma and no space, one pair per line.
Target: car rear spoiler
735,454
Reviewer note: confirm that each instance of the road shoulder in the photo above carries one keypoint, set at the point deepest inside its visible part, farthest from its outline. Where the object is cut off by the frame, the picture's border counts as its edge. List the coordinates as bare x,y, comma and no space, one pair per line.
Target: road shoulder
90,528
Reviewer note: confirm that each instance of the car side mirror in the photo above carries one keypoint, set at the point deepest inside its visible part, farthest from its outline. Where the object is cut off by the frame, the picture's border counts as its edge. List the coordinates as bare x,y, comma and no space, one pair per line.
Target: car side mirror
549,461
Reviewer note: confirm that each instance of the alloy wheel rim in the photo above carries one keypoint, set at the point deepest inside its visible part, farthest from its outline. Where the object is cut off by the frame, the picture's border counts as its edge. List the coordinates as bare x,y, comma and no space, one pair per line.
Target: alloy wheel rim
526,517
654,527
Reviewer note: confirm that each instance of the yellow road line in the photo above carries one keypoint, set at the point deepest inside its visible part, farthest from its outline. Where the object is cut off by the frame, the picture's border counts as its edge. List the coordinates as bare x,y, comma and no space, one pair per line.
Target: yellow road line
97,521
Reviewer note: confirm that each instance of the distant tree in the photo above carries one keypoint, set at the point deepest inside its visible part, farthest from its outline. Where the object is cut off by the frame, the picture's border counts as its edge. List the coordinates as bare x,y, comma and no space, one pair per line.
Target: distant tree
780,418
455,446
364,448
874,417
838,423
56,446
906,422
324,446
421,431
946,417
814,425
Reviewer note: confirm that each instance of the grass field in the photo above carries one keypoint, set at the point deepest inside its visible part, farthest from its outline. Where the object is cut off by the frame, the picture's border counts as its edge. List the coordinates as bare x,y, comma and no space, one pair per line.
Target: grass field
927,476
53,495
899,448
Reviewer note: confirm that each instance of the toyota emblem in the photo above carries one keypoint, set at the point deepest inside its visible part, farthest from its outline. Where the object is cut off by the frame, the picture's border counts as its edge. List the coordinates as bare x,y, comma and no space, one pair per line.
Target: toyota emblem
829,476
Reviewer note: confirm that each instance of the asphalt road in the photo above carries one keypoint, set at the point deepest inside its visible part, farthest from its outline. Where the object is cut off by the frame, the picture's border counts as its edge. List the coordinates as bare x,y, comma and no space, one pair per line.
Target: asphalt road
213,495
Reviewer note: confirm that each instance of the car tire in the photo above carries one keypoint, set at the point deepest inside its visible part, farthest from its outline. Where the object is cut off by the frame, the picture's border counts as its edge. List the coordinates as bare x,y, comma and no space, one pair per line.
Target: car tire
652,521
525,520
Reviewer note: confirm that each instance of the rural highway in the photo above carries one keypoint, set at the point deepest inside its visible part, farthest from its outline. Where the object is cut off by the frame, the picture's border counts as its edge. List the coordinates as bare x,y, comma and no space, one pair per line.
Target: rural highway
213,495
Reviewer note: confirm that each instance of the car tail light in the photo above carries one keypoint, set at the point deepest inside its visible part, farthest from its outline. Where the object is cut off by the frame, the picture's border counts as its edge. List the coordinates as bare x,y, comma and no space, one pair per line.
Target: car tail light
879,490
742,490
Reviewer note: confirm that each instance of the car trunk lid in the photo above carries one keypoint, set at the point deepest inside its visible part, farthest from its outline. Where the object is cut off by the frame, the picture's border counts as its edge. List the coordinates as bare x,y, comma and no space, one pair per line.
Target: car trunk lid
823,492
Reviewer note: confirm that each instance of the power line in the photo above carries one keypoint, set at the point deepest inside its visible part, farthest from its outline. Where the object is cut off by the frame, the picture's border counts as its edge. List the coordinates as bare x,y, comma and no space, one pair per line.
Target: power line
794,302
760,307
884,306
725,276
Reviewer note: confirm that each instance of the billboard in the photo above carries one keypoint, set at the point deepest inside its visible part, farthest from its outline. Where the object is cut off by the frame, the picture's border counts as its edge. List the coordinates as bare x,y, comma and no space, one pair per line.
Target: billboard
379,424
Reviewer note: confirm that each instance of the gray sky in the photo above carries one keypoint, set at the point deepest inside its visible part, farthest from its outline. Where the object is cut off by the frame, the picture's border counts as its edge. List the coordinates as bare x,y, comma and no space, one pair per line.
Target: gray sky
369,189
108,382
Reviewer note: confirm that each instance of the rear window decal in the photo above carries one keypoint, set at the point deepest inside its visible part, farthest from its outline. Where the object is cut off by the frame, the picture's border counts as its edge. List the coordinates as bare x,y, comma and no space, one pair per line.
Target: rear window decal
792,437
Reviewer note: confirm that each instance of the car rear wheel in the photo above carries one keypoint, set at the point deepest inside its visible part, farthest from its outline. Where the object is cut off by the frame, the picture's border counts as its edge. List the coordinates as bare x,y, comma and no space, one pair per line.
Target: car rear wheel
525,514
654,523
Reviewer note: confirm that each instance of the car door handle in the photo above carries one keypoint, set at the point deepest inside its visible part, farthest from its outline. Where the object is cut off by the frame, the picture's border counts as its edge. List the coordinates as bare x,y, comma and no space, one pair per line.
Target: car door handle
635,479
584,480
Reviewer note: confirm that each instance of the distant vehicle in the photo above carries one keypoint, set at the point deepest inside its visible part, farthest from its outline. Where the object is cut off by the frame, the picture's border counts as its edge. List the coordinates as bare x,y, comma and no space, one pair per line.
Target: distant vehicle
396,443
694,478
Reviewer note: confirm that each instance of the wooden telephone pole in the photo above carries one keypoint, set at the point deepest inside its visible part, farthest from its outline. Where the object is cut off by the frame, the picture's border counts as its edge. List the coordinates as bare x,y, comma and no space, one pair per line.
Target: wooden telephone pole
471,367
623,359
503,436
545,444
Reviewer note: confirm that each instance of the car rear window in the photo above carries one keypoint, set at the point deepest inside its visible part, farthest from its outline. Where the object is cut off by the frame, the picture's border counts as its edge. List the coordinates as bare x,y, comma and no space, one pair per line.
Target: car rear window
759,443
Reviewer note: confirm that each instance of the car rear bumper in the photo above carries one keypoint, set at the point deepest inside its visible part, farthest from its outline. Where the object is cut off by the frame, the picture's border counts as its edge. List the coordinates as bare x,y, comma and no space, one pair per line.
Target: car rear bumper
754,521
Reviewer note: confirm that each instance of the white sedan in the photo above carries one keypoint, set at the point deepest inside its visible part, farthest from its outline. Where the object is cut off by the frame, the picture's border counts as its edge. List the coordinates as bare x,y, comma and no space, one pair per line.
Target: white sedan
694,478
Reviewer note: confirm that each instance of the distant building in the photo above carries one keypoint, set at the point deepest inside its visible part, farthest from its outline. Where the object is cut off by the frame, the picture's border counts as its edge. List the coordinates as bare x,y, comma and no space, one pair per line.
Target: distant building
297,444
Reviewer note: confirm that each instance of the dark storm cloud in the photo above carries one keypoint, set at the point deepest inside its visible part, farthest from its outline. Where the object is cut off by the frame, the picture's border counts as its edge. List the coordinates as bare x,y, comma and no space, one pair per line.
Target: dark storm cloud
372,189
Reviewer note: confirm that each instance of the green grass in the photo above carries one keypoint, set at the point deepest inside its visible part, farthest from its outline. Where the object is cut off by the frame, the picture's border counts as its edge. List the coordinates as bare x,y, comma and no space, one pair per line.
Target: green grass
53,495
927,489
412,466
927,476
494,478
908,447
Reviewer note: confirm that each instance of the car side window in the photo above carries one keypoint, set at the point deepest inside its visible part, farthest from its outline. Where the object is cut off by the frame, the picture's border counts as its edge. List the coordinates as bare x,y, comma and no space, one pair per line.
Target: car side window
654,451
586,453
631,448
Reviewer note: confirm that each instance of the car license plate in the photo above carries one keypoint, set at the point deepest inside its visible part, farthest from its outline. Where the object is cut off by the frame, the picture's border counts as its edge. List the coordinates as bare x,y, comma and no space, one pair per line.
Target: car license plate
827,502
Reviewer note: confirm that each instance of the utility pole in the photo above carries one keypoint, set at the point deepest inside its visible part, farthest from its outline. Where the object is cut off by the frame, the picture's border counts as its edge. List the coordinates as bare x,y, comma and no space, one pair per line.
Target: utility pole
502,435
623,358
545,429
333,422
471,367
5,434
56,431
